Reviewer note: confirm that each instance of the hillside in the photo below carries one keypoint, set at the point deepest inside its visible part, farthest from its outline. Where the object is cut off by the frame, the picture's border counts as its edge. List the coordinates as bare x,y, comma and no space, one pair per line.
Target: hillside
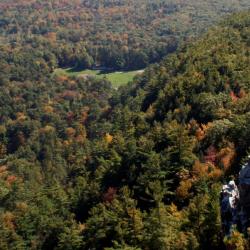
189,119
120,34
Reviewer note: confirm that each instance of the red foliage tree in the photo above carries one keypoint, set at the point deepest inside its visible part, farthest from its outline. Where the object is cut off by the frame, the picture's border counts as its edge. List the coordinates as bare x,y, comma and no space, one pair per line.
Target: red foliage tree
109,195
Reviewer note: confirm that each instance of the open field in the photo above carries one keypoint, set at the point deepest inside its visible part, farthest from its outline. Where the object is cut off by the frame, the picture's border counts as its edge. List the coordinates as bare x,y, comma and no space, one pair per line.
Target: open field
117,78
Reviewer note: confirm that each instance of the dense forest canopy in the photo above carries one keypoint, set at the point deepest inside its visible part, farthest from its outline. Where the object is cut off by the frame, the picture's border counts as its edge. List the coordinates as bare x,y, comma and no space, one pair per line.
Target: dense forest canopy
122,34
83,166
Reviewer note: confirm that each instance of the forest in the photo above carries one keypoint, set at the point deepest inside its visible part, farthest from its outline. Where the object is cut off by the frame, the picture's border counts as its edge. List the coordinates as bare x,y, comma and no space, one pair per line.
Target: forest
86,166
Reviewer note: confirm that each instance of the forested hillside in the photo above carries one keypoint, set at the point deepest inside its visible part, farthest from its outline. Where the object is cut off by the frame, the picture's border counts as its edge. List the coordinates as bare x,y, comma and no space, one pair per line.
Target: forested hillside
120,34
85,167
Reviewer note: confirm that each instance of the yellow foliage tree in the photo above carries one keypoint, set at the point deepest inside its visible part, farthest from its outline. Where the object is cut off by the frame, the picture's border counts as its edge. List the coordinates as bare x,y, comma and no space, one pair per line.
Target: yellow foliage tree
108,138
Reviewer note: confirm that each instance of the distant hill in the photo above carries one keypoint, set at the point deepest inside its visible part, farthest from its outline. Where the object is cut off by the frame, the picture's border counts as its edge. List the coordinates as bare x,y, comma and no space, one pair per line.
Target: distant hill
122,34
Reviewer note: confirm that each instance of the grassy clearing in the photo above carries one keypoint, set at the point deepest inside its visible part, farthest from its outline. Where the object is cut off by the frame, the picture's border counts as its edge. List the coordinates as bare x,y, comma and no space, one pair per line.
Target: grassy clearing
117,78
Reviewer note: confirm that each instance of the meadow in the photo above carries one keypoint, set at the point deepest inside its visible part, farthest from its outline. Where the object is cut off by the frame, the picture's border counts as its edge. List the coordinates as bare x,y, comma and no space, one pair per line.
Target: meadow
117,78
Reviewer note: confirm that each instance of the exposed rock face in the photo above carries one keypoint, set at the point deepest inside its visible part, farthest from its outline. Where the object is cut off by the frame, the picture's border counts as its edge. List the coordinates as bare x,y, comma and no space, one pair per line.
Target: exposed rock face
235,202
244,187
